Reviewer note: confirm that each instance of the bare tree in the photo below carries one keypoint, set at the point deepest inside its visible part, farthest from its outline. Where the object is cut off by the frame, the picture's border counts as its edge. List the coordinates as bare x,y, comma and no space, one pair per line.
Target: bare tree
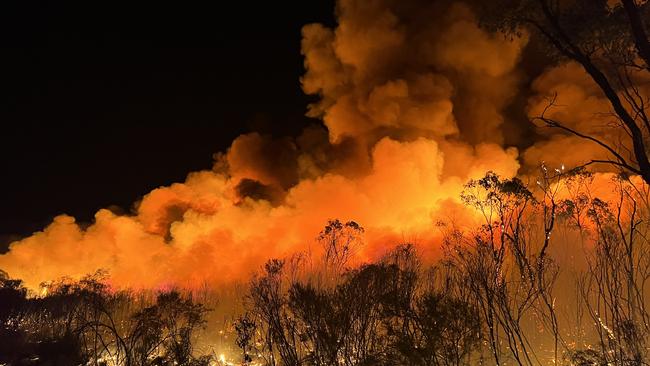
508,270
340,242
610,41
614,286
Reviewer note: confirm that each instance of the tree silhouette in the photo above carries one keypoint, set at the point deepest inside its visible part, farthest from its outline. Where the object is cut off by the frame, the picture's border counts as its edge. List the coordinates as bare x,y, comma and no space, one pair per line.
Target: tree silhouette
508,272
84,322
383,313
611,44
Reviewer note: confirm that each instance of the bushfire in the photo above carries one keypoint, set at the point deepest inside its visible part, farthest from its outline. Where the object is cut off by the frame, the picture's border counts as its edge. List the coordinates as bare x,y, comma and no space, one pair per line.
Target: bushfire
421,224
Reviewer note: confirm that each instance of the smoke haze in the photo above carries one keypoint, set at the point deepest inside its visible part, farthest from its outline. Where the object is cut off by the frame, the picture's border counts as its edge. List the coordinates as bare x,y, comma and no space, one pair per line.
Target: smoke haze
415,100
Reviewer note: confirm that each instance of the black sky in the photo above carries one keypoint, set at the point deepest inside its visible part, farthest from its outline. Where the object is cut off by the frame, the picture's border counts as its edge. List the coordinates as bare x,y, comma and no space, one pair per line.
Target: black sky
104,100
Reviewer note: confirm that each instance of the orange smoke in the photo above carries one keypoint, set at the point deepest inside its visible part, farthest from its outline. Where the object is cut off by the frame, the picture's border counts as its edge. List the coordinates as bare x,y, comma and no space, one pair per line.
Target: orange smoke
580,105
412,95
199,231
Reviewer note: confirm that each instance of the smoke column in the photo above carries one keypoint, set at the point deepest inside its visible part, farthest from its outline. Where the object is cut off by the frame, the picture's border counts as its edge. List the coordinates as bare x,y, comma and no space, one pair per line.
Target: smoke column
413,96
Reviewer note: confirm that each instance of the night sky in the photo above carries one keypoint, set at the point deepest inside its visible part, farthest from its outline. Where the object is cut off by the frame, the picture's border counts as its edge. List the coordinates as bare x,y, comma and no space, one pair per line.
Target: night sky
103,101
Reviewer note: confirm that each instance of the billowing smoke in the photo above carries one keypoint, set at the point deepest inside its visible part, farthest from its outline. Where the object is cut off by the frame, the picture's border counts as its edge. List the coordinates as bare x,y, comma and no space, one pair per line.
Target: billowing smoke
413,97
566,93
388,69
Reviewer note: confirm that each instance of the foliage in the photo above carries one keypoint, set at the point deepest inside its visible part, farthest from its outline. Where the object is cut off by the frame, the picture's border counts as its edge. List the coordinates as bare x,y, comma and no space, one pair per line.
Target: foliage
489,300
78,322
377,314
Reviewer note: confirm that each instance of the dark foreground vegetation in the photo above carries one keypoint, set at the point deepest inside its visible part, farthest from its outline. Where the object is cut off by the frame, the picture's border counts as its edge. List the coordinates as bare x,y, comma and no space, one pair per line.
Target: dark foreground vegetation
82,322
552,274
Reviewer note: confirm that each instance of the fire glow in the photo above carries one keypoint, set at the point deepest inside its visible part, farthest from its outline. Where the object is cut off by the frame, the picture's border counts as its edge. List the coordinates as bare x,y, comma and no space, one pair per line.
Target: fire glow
413,110
409,123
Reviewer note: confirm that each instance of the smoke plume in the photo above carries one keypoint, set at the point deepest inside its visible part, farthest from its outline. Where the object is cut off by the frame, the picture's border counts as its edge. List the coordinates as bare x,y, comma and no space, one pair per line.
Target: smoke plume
413,98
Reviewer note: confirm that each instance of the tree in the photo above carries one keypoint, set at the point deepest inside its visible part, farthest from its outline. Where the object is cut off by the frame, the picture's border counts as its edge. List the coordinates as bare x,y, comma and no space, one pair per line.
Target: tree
615,284
340,241
86,322
611,44
382,313
13,300
161,334
267,302
426,323
508,271
245,328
